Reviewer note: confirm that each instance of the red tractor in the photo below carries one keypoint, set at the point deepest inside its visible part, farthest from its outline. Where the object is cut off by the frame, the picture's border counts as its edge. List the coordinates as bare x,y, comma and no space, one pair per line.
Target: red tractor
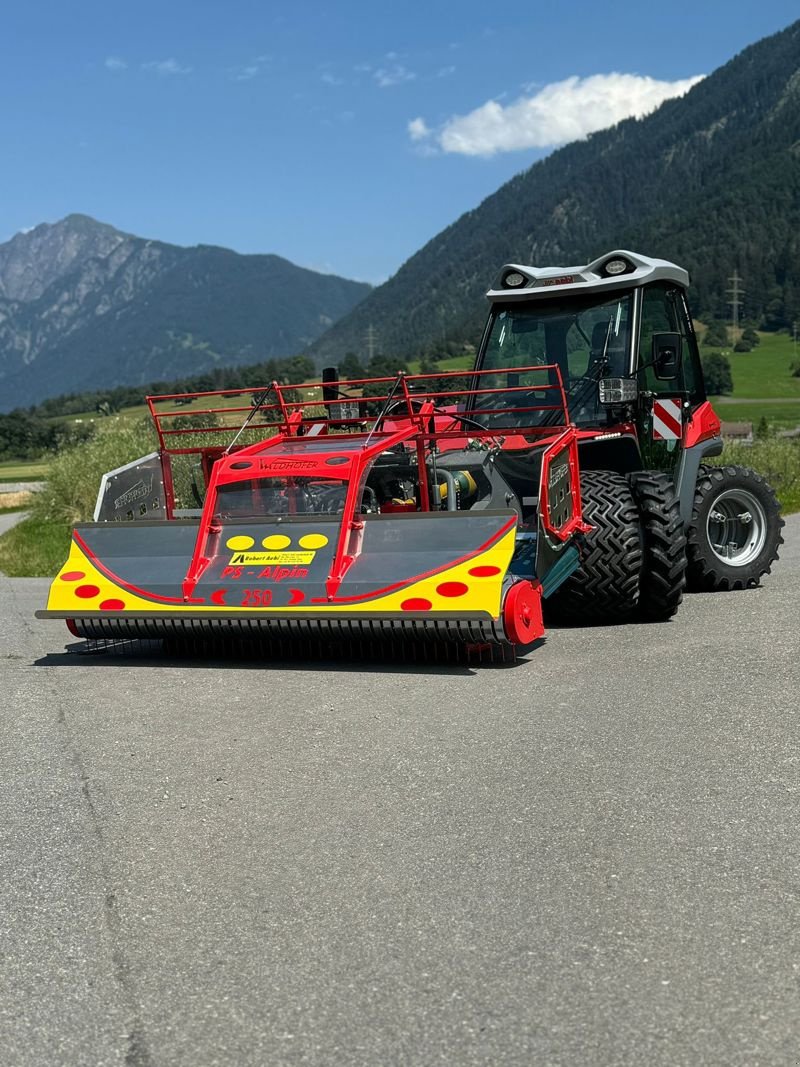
566,467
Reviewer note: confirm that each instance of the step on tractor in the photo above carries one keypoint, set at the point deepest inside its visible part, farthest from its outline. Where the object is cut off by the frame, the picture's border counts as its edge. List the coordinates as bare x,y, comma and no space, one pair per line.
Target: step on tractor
563,476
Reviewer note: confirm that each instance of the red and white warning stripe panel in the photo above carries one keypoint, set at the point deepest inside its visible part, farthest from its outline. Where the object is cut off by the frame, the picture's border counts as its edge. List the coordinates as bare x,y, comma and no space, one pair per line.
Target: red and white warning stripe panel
667,419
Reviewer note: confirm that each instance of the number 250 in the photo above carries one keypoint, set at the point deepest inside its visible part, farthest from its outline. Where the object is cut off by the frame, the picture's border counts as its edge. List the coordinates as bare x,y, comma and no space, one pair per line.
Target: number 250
257,598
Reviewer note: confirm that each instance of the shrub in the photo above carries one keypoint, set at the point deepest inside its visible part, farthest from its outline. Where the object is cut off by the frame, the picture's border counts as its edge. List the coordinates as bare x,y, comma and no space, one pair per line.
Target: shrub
70,492
716,335
717,374
776,458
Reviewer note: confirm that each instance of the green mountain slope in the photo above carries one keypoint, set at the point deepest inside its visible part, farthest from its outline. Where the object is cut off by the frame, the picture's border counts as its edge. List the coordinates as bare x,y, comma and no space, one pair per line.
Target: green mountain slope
83,305
710,180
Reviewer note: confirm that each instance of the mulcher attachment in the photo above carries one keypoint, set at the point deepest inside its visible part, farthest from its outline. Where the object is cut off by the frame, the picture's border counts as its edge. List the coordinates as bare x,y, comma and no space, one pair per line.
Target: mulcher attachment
436,578
326,537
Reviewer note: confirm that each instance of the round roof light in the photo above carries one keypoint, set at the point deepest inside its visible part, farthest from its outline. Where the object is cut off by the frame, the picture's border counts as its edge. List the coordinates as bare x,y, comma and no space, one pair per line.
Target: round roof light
513,280
616,266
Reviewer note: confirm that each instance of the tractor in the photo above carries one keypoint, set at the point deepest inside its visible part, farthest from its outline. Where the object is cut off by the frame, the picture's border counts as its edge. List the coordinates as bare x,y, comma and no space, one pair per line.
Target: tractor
621,334
561,476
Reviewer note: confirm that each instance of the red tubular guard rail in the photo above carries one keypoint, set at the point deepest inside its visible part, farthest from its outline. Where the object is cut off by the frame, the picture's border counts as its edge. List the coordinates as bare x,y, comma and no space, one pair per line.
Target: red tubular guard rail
289,409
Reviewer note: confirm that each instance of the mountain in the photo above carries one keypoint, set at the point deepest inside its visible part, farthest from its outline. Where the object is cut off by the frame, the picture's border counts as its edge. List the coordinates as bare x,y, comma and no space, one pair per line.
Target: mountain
710,180
83,305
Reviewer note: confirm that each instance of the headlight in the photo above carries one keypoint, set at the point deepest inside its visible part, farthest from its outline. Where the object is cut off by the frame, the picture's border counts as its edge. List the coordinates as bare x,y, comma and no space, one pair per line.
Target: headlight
618,390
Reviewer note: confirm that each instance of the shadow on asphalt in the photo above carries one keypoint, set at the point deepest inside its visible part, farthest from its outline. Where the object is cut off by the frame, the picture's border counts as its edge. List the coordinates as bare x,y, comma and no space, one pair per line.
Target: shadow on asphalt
447,660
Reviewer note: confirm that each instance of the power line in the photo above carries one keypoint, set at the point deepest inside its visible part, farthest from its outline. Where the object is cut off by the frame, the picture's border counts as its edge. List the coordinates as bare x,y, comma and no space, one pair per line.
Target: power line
371,338
736,292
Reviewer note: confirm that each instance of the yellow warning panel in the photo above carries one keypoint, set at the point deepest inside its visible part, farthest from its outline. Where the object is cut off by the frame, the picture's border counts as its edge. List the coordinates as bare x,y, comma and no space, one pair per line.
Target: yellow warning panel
261,559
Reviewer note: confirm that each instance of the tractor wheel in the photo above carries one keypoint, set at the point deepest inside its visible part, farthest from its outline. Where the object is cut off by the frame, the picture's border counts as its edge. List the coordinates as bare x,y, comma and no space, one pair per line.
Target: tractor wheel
735,531
664,565
605,588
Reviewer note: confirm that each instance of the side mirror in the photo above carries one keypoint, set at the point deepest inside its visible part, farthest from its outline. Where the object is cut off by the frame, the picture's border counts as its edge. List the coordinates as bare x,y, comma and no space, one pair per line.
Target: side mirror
666,356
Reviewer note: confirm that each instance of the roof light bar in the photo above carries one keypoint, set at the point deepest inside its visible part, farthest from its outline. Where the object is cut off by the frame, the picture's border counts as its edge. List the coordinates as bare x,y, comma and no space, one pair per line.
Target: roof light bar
514,280
617,266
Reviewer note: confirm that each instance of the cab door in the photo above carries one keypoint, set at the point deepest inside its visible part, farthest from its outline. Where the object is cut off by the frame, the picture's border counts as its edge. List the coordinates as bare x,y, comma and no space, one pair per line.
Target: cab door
668,397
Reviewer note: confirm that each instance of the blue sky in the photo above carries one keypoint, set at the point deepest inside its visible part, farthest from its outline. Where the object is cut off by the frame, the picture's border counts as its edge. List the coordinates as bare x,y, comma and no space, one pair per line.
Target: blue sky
342,135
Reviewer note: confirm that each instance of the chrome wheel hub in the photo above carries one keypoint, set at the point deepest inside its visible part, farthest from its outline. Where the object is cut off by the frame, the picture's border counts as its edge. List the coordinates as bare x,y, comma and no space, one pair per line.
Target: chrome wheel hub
736,527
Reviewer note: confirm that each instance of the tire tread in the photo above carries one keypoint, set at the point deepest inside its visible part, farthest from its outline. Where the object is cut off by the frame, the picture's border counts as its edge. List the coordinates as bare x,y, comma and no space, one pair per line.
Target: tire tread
705,572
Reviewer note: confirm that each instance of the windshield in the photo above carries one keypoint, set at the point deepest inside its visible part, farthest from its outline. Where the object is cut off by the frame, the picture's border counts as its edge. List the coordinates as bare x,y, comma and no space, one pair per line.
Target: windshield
281,496
587,338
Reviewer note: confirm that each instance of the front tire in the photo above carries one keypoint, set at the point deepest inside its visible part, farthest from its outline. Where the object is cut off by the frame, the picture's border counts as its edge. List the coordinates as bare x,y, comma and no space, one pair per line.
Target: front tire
665,563
735,531
605,588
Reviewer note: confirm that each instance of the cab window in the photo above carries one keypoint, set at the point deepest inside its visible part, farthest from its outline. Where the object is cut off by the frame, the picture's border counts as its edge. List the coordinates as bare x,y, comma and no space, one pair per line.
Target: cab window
664,311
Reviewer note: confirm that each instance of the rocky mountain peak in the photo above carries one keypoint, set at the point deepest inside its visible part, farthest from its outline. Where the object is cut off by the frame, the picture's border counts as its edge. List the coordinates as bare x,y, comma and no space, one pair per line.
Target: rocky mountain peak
83,305
34,259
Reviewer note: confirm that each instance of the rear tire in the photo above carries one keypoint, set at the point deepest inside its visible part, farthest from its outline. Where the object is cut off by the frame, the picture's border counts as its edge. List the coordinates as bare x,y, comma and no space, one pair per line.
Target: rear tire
664,565
735,531
605,588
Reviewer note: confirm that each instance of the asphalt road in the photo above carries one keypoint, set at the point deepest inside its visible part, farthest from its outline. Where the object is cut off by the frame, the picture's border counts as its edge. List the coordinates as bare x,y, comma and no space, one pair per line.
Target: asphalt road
10,519
591,857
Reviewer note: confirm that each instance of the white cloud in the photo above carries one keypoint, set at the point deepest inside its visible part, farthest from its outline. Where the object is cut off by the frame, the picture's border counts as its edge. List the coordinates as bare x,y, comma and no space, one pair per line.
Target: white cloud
115,63
391,71
393,74
166,67
248,72
560,112
418,129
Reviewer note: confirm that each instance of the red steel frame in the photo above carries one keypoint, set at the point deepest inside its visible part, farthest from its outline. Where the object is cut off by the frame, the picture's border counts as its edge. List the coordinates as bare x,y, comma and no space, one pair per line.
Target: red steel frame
287,416
418,419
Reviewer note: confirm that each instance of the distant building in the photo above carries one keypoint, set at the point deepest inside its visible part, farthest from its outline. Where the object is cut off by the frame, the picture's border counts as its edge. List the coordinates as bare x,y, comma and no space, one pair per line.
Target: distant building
738,431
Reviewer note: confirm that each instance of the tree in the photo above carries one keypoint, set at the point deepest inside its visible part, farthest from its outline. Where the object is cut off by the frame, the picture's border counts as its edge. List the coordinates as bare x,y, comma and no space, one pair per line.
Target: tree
717,374
428,366
298,369
742,346
716,335
750,335
763,430
25,437
351,367
381,367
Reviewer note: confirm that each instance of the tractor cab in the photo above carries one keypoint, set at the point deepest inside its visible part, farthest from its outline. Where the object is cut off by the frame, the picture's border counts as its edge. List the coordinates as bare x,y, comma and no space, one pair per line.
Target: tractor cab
620,334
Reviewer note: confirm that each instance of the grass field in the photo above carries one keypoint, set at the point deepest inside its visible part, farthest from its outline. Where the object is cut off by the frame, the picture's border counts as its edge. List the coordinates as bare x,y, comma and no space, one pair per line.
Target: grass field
34,549
781,415
137,412
21,471
763,375
764,371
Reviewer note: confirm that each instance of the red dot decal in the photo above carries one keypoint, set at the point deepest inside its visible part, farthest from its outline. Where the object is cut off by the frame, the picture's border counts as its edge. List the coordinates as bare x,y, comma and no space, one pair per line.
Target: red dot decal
112,605
72,576
87,592
451,589
416,604
484,572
